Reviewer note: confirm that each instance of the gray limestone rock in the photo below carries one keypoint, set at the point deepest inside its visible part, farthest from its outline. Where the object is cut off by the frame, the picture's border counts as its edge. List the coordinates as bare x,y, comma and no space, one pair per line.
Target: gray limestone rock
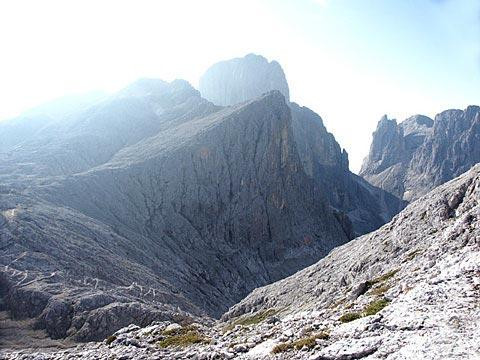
154,204
366,207
411,158
233,81
409,290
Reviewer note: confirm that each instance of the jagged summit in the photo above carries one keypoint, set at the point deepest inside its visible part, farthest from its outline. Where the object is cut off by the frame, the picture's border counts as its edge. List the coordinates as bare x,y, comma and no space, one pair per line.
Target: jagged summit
233,81
411,158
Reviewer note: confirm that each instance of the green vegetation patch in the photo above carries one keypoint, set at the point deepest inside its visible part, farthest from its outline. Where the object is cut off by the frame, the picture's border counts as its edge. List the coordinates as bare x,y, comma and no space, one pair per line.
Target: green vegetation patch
382,278
252,320
110,339
375,306
283,347
179,331
257,318
349,317
381,290
181,337
182,340
371,309
308,342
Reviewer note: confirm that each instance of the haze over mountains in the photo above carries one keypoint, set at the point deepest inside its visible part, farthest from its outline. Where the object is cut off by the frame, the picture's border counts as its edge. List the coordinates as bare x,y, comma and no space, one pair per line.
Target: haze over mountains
164,203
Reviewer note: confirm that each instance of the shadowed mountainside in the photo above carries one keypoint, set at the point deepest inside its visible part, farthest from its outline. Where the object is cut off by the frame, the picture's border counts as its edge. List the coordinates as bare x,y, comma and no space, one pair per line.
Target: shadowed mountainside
359,203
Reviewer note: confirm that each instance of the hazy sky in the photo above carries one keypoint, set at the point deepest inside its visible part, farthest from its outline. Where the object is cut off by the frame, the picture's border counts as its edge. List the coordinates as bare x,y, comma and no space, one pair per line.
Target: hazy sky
349,60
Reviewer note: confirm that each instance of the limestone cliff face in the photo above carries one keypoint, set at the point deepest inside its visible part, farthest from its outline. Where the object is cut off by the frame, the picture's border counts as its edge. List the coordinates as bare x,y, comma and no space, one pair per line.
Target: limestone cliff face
365,206
362,207
237,80
156,204
410,158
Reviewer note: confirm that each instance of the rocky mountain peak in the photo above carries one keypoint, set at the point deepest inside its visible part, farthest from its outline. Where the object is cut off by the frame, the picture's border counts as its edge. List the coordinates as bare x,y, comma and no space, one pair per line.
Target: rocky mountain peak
155,204
417,124
323,159
156,87
241,79
186,208
411,158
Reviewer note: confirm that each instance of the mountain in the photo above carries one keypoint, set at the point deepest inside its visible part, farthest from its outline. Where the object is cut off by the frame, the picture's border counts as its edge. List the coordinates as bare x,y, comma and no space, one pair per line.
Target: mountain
154,204
237,80
91,135
409,290
422,267
413,157
364,207
28,125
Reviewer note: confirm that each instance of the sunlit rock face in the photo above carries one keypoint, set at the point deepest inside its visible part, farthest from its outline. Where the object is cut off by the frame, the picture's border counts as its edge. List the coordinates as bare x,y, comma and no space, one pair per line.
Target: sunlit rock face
413,157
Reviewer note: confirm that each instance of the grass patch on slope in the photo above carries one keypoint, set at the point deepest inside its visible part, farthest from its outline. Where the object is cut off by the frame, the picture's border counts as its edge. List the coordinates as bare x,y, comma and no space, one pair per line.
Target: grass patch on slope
350,317
383,277
252,319
375,306
371,309
182,337
309,342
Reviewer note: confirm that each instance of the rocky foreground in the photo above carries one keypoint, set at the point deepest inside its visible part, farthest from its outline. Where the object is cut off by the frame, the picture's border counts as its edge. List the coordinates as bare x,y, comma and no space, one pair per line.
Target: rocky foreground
410,290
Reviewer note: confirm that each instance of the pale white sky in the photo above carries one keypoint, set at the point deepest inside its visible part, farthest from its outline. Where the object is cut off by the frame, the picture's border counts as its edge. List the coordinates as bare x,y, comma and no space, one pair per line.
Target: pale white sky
351,61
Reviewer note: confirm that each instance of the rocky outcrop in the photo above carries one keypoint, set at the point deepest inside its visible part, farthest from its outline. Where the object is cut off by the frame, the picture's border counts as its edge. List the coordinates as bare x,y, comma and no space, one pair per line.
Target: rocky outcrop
233,81
411,158
408,290
156,205
365,206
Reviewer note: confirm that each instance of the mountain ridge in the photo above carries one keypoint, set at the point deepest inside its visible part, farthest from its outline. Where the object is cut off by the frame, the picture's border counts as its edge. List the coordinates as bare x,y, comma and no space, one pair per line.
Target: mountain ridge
186,220
363,208
411,158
